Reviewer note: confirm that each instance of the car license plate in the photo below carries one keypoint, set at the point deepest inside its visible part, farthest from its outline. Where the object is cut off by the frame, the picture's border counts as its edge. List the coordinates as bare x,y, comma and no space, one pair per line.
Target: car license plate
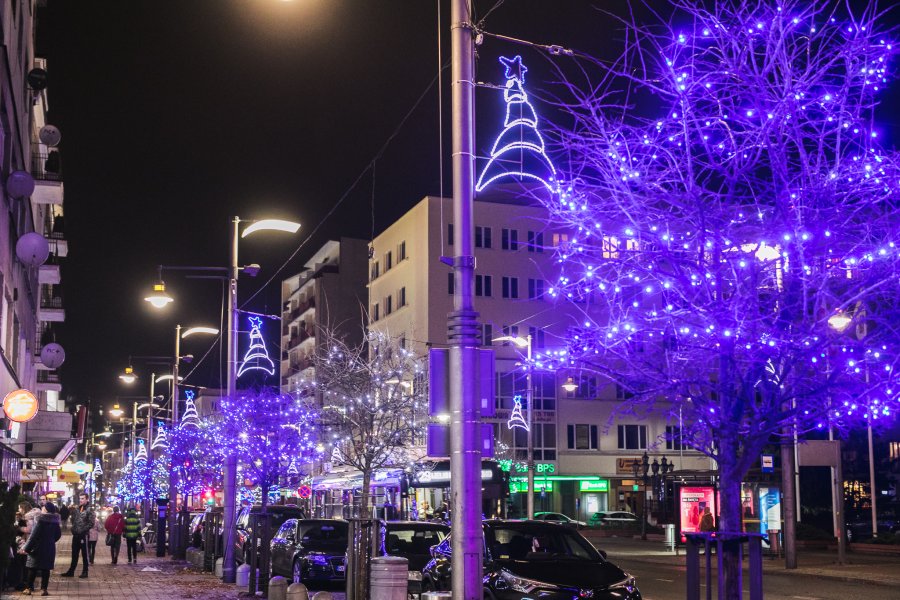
341,568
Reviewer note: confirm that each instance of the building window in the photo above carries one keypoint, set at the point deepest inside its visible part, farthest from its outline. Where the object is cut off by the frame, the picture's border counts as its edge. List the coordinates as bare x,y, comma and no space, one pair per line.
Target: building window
401,251
587,387
510,287
449,234
401,298
535,241
451,282
537,337
582,437
610,247
632,437
402,341
388,261
487,334
482,237
483,285
375,273
509,239
673,437
388,305
510,331
560,238
535,289
375,315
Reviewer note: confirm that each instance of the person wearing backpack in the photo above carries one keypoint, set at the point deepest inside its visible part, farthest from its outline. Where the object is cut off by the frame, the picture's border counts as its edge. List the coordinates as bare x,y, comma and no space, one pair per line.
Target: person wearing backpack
132,533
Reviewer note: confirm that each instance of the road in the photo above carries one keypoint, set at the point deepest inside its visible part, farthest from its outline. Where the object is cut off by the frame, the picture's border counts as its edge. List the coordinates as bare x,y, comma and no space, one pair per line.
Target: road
667,582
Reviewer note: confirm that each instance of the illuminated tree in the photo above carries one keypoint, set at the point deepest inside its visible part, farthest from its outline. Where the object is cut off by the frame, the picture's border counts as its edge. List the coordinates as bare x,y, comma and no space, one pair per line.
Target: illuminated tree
734,223
374,403
196,457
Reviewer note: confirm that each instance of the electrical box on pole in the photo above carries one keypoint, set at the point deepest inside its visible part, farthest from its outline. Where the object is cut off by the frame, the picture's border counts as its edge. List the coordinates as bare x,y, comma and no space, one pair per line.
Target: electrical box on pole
439,400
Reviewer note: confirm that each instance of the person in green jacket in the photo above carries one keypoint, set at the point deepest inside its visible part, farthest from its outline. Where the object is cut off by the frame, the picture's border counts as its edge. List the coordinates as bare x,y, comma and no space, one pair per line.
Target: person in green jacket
132,533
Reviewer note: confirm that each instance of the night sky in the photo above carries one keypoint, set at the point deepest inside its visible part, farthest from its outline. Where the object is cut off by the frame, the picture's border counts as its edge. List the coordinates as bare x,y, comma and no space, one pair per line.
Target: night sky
178,115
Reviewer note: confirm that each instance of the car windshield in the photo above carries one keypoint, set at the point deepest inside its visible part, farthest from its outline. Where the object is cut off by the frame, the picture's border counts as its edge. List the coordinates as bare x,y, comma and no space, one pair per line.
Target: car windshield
412,540
335,532
532,544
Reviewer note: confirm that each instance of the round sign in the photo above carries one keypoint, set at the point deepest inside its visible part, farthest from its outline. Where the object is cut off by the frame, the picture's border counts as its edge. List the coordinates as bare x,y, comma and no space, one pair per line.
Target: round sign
82,467
304,491
20,406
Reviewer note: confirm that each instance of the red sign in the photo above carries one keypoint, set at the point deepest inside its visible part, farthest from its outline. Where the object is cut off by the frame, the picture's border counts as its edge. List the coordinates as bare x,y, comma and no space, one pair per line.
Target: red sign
693,501
20,406
304,491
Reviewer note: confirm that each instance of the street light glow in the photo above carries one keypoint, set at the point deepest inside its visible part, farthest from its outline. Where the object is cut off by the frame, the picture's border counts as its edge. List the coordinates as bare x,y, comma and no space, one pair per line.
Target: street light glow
128,376
159,298
162,378
518,341
839,321
193,330
271,225
116,412
570,385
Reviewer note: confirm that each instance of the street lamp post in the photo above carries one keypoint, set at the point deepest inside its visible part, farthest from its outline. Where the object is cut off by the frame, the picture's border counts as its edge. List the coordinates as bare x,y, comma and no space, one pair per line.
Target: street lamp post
529,434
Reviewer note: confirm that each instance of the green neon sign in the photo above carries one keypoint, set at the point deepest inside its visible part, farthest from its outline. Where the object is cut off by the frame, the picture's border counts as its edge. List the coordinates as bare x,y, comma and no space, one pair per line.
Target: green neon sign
594,486
522,486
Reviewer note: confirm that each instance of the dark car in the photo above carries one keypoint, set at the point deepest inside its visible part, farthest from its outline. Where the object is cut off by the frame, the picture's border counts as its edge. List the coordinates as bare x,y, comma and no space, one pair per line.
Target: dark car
413,541
198,519
244,531
859,525
532,559
559,518
310,550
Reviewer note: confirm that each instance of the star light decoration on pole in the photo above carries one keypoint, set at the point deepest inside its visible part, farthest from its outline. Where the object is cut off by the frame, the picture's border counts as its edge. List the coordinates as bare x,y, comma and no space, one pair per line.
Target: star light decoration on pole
257,357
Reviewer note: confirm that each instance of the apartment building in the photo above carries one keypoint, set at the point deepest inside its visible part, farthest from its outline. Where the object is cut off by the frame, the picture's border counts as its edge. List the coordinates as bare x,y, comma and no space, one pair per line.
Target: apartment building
31,223
329,294
583,449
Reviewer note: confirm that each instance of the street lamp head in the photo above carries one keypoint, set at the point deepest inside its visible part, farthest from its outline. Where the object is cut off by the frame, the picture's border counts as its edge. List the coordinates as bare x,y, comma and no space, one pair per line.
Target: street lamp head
517,340
193,330
271,225
570,385
105,433
128,376
159,298
101,445
116,412
839,321
162,378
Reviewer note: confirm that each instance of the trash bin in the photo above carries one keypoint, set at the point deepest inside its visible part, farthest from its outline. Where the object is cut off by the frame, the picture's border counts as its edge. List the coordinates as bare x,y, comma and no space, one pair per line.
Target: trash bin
389,576
670,536
774,542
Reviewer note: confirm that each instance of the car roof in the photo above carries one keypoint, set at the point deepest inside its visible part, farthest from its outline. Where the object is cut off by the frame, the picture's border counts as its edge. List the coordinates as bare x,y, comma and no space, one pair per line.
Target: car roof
524,523
420,525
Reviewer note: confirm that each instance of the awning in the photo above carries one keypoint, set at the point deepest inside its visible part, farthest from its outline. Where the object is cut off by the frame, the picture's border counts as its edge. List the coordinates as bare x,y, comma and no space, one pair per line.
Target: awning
64,452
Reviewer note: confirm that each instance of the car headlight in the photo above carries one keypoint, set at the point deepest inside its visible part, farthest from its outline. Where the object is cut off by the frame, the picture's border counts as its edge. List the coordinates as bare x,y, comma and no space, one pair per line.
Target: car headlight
626,584
521,584
318,559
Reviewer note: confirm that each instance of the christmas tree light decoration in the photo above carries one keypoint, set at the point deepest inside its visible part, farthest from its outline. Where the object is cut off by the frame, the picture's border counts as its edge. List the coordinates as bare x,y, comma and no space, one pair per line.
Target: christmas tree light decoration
98,469
161,442
141,455
292,467
519,151
336,457
190,418
256,357
516,419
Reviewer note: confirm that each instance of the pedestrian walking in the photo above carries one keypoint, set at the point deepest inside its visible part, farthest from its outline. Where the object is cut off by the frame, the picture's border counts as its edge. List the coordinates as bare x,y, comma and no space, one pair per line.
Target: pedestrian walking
41,548
64,515
82,522
93,537
132,533
115,527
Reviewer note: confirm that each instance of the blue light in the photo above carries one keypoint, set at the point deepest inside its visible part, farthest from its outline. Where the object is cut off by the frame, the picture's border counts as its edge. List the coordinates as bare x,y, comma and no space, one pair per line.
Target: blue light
257,357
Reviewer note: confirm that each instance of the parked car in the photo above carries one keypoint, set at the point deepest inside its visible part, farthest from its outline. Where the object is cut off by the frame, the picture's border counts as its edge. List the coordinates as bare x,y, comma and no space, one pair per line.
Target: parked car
560,518
613,518
196,526
528,559
308,550
410,539
244,532
859,525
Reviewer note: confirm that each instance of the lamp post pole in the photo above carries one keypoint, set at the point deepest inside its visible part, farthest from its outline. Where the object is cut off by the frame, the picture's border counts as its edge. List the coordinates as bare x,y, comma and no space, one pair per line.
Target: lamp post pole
529,397
173,475
462,324
230,489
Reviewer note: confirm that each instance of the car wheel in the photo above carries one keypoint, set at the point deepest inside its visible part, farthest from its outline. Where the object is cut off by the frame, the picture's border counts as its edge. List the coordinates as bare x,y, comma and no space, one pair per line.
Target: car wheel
427,586
297,571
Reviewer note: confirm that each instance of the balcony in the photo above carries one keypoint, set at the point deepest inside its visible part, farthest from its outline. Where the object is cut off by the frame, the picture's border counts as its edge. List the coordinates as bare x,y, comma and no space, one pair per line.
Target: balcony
48,381
51,306
54,231
47,172
48,273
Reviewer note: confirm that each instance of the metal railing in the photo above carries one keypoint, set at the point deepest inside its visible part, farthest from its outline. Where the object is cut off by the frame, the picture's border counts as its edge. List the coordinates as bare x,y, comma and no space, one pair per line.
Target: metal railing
46,165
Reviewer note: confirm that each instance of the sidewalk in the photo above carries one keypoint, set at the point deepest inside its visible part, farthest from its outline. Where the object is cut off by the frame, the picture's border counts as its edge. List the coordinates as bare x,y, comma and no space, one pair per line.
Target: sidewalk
862,568
151,578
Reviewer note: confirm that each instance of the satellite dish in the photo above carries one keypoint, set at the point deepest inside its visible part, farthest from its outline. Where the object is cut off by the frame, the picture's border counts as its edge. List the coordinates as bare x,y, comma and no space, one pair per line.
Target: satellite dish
50,135
37,79
20,184
33,249
53,355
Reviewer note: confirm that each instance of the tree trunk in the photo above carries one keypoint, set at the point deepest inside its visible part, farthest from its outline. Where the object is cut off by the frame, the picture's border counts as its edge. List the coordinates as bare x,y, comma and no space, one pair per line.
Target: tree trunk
729,522
364,499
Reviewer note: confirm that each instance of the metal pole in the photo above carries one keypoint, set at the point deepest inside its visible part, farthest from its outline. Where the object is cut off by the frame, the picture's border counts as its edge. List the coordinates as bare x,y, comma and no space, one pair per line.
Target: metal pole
787,480
529,396
837,493
462,324
134,429
873,492
173,475
230,491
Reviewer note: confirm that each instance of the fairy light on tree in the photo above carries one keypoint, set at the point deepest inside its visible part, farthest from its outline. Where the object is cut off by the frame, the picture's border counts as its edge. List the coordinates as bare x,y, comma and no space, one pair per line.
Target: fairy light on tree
712,241
374,403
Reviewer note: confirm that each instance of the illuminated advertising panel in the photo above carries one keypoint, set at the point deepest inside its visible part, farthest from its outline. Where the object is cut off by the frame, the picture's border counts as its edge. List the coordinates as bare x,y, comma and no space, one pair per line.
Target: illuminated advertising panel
692,501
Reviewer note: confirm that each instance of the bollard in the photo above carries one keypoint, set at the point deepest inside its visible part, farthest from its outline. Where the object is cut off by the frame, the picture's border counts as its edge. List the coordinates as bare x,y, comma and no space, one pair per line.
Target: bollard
298,591
436,595
243,578
278,588
389,578
322,596
219,564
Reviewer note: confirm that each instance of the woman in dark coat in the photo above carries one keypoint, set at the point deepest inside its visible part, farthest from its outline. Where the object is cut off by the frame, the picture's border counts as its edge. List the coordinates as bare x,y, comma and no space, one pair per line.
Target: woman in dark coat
41,547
